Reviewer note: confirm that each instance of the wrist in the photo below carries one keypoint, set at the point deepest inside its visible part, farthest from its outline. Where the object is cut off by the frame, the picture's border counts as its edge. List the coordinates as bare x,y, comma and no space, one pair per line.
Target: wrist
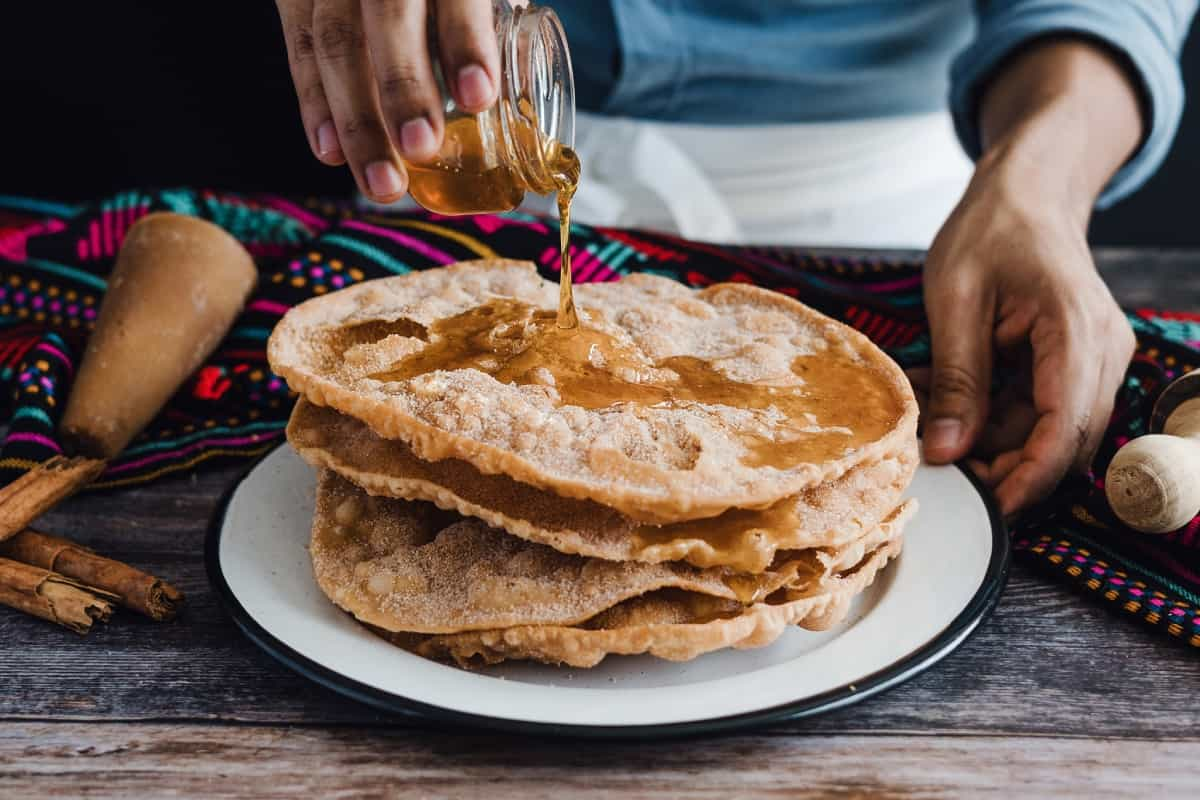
1037,162
1060,119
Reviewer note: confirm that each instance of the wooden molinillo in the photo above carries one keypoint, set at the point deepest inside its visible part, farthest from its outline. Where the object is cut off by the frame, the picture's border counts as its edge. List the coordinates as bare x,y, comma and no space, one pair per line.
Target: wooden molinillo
1153,482
173,293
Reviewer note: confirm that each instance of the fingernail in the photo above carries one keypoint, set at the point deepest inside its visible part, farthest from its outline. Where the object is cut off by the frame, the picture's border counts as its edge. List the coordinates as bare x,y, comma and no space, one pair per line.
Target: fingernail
942,437
416,138
327,140
474,86
383,179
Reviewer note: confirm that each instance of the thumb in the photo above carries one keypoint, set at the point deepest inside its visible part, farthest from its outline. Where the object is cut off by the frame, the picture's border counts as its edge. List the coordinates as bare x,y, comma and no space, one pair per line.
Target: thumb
960,326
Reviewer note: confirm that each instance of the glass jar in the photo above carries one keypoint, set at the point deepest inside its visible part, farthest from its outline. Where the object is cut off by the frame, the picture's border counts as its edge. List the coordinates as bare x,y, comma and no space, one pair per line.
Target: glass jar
488,161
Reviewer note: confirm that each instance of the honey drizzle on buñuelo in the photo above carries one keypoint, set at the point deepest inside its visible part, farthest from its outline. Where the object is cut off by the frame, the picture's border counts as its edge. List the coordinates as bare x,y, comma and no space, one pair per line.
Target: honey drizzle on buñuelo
517,343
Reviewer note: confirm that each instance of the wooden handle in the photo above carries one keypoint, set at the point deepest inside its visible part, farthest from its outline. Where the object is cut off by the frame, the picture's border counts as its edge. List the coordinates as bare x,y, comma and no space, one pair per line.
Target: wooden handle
1184,420
1153,482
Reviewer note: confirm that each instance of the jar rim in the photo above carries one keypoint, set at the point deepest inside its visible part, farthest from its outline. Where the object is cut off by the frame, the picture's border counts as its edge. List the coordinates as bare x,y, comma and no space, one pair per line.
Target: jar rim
538,68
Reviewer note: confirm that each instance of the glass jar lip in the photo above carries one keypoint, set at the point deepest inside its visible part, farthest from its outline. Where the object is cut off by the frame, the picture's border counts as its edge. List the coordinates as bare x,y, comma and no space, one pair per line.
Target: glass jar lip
554,37
538,70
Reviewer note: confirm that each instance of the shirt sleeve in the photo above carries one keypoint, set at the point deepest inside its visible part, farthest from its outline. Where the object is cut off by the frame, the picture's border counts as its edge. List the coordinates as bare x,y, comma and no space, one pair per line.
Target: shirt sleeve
1149,33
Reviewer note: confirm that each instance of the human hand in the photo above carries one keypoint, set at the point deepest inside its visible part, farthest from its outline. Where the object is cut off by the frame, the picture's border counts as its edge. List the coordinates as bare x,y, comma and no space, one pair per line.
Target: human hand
364,77
1010,278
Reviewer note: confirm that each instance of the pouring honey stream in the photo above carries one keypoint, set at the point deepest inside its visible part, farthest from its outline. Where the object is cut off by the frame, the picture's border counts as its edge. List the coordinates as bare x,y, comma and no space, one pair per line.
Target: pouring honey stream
566,171
555,168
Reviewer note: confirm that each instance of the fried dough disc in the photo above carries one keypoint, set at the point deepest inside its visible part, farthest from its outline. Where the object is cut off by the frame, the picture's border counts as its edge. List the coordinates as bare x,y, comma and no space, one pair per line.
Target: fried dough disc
832,514
670,623
667,403
407,566
402,565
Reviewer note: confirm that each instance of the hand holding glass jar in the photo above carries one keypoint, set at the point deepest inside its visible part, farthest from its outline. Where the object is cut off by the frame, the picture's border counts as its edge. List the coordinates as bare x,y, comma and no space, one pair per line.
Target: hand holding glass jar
406,91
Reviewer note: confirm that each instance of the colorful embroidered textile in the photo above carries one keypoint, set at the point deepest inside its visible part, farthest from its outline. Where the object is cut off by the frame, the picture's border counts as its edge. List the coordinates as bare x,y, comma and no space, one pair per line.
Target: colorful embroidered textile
54,259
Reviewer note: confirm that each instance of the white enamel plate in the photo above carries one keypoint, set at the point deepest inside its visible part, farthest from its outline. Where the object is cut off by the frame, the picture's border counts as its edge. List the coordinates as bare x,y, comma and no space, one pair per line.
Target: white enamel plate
920,608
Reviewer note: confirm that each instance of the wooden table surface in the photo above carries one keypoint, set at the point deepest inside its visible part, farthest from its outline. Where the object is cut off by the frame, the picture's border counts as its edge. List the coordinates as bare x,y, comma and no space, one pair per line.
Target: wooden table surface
1052,696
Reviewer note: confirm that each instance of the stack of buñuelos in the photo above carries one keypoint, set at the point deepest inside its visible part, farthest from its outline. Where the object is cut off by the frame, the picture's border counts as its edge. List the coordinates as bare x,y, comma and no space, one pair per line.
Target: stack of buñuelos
687,470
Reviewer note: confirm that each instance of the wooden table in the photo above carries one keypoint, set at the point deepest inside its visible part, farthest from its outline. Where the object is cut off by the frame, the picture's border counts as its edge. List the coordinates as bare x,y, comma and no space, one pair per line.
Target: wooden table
1052,696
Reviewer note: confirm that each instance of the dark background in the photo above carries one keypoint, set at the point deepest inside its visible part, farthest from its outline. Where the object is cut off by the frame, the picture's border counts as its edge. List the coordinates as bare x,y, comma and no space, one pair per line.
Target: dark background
102,96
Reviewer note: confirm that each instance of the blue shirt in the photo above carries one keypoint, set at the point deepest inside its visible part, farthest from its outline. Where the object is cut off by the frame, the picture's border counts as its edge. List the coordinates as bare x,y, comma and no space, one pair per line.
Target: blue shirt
763,61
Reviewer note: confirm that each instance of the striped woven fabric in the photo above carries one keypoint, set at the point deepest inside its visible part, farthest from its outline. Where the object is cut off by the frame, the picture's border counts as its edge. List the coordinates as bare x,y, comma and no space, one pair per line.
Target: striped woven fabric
54,259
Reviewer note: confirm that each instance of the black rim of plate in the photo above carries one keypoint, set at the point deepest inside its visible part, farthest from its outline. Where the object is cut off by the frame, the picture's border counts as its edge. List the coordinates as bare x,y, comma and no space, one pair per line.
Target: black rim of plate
911,665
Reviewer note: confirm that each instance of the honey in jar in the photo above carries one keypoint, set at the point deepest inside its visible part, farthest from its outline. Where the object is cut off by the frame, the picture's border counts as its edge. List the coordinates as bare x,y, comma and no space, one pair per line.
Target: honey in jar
488,161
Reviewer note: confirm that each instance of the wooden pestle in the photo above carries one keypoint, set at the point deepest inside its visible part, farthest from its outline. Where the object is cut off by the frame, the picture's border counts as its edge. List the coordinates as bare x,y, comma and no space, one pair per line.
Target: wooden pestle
1153,482
176,287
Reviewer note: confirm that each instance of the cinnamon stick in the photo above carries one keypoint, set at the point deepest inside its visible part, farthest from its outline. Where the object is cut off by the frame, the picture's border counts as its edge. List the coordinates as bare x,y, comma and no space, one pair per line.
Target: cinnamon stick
53,597
133,588
41,488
